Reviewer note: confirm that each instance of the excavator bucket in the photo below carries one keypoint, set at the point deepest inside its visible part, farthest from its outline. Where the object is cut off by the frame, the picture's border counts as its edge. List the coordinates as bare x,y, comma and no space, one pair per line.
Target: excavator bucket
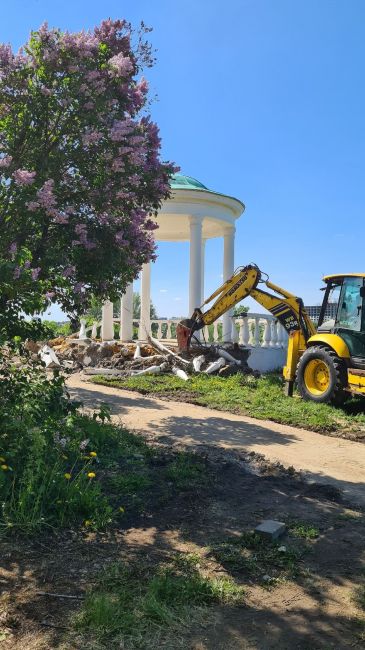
183,334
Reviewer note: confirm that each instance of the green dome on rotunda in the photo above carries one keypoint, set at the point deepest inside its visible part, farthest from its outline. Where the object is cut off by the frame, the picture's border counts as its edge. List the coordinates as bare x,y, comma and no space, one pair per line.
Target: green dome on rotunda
182,182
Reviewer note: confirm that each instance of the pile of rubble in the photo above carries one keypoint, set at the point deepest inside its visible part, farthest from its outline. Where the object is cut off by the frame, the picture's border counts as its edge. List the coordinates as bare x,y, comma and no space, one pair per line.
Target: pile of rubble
133,359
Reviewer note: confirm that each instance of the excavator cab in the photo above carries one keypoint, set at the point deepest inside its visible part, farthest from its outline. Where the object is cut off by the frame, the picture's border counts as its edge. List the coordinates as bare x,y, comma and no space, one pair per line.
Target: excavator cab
333,364
343,313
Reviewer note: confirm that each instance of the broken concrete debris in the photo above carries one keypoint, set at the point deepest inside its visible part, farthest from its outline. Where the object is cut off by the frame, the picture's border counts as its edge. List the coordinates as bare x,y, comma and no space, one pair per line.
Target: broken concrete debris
137,352
198,361
215,365
133,359
48,357
180,373
271,529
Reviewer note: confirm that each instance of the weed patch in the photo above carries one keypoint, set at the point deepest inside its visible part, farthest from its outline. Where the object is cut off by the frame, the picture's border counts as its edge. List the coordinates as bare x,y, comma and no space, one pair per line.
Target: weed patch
255,558
132,606
186,471
303,530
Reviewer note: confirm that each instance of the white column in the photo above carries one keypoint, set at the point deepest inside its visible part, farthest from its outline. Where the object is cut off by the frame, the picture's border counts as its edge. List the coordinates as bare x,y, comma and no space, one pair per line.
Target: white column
228,268
145,322
195,278
126,314
107,325
202,293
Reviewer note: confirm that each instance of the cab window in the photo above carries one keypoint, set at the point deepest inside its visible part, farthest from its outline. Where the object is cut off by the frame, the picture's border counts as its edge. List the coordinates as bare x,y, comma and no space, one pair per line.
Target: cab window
329,308
349,312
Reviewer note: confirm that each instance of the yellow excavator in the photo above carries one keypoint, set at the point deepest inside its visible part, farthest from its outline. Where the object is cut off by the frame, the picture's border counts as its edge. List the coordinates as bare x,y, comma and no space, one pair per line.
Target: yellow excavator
328,361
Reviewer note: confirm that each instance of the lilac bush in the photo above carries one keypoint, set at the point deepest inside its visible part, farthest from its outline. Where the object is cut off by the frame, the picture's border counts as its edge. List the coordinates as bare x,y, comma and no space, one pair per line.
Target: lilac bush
80,173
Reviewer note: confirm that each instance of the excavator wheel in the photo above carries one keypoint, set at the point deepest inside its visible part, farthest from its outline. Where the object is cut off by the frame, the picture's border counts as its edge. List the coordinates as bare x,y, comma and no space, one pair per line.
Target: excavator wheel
322,376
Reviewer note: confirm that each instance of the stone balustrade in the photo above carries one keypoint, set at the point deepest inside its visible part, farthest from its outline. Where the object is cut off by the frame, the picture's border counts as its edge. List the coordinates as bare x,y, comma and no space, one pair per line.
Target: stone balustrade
253,330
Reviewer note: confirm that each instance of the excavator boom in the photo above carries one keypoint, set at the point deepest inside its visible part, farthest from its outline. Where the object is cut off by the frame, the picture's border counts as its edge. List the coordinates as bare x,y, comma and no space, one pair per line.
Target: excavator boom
287,308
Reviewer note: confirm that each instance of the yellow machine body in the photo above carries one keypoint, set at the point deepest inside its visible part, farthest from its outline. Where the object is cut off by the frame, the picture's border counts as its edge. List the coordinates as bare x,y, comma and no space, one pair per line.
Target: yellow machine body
320,360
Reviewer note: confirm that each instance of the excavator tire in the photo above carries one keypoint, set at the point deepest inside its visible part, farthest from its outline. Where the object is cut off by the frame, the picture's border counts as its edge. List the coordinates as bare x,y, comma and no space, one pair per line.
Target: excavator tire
322,376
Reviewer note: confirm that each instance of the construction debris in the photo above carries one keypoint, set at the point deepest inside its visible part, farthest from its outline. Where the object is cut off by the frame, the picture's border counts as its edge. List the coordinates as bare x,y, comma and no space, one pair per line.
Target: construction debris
215,365
180,373
134,359
152,370
270,529
198,361
49,357
137,353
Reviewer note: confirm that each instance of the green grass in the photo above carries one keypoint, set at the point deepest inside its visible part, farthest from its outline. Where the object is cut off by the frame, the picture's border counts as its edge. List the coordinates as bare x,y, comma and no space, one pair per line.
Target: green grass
136,605
262,398
257,559
186,471
303,530
130,484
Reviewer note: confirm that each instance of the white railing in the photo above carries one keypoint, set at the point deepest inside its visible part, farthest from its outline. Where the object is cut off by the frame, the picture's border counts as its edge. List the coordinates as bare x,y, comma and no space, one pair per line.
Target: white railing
260,330
253,330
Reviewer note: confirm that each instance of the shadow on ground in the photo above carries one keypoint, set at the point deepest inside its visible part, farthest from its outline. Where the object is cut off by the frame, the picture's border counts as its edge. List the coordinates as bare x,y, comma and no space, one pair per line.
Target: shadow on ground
313,612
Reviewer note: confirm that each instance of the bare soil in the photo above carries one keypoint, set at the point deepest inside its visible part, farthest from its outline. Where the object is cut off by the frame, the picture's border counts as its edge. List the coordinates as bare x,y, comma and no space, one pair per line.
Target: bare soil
315,611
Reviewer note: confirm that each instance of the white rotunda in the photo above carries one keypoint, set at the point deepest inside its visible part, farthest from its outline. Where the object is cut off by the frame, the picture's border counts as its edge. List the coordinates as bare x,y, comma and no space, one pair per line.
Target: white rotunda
193,213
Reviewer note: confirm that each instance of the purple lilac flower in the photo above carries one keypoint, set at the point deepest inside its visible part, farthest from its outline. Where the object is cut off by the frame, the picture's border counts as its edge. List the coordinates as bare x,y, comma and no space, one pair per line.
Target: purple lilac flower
32,205
5,161
45,195
121,65
24,177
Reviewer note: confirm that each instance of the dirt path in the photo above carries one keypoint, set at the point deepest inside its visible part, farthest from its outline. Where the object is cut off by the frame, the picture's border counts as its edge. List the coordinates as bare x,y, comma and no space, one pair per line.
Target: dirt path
331,460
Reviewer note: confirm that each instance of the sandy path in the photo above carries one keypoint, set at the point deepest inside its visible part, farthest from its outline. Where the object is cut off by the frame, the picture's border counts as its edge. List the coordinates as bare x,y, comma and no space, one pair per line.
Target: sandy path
331,460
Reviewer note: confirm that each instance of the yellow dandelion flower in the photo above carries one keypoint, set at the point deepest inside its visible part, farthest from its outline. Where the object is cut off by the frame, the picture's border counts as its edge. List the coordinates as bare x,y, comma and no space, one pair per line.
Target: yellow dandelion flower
67,476
87,522
91,475
93,454
5,467
121,509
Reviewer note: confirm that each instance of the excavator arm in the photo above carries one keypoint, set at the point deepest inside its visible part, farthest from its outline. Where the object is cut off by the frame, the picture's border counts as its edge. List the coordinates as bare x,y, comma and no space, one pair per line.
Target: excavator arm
287,308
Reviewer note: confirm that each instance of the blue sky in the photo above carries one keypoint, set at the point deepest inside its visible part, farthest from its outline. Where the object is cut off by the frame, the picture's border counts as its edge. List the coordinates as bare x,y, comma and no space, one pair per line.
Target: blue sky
261,100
